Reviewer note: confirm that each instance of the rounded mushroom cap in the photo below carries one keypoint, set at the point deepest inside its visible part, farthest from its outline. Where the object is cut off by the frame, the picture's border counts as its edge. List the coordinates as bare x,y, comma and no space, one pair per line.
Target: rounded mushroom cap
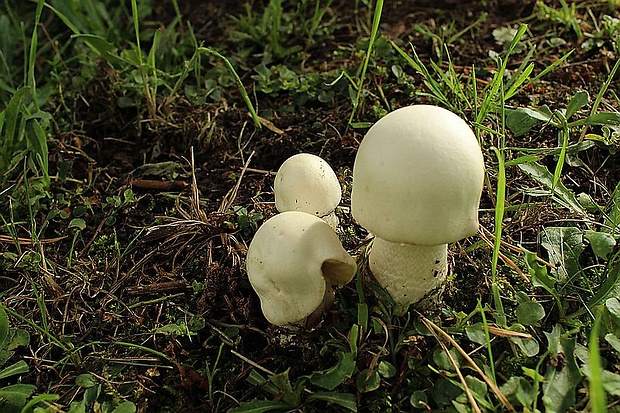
418,177
306,183
292,262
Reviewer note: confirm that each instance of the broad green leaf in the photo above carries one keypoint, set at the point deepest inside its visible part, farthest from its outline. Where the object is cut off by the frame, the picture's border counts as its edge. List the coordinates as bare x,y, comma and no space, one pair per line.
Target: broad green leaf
386,369
518,390
578,101
610,287
15,395
332,378
282,382
78,406
4,327
105,49
611,383
18,337
418,399
613,341
601,118
520,121
564,246
345,400
78,223
530,312
125,407
476,333
442,360
529,346
85,380
561,379
40,398
368,380
443,392
259,406
15,369
612,217
561,194
613,306
602,243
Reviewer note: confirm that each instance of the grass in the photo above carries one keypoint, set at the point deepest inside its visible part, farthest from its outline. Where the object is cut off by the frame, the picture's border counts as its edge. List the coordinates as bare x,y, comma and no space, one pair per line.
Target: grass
137,159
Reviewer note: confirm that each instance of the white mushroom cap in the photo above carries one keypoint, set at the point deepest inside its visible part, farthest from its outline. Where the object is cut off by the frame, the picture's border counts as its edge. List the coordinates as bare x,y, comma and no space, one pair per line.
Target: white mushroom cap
293,261
306,183
418,177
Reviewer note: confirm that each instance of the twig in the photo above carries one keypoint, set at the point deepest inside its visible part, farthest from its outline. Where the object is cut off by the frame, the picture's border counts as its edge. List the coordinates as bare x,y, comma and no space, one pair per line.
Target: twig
470,397
473,364
253,363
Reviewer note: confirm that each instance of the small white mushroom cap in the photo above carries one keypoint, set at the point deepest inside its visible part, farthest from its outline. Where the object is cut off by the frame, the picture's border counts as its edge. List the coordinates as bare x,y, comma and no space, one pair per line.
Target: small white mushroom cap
293,262
307,183
418,177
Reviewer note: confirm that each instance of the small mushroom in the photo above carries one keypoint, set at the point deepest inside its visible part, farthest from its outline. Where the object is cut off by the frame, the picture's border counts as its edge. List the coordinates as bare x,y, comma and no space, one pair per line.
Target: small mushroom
417,182
307,183
294,261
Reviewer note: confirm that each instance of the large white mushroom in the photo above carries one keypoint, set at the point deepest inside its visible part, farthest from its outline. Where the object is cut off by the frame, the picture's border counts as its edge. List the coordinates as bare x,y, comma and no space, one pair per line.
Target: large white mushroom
307,183
294,261
417,181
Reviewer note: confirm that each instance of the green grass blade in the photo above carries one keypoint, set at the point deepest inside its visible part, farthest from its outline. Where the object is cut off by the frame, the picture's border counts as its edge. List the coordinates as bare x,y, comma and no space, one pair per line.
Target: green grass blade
598,401
373,36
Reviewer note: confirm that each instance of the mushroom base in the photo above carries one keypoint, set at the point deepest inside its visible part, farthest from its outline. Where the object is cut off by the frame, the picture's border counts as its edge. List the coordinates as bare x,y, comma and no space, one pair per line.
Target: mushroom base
410,273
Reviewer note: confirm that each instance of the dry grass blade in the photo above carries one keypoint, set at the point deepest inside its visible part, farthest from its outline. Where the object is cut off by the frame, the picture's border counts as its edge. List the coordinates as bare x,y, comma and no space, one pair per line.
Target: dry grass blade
27,241
506,260
501,332
478,370
470,396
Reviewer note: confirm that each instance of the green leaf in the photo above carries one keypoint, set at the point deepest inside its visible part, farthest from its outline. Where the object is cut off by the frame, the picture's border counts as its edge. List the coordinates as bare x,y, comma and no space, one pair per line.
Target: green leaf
39,399
564,246
15,369
15,395
290,395
521,121
611,383
332,378
610,287
18,338
386,369
562,378
345,400
85,380
561,194
598,400
476,333
4,327
368,380
419,400
530,312
612,217
259,406
529,346
125,407
105,49
613,306
602,243
578,101
518,390
78,223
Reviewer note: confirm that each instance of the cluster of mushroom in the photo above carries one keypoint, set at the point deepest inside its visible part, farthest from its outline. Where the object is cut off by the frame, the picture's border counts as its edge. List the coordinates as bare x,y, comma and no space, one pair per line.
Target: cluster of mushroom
417,182
295,258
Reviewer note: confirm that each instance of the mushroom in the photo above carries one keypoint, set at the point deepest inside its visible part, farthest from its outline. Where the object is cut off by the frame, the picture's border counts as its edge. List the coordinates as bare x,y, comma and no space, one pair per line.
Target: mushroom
293,262
307,183
417,182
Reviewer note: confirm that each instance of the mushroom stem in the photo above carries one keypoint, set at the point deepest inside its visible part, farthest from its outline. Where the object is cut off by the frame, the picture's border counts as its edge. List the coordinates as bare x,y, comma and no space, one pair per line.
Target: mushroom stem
410,273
